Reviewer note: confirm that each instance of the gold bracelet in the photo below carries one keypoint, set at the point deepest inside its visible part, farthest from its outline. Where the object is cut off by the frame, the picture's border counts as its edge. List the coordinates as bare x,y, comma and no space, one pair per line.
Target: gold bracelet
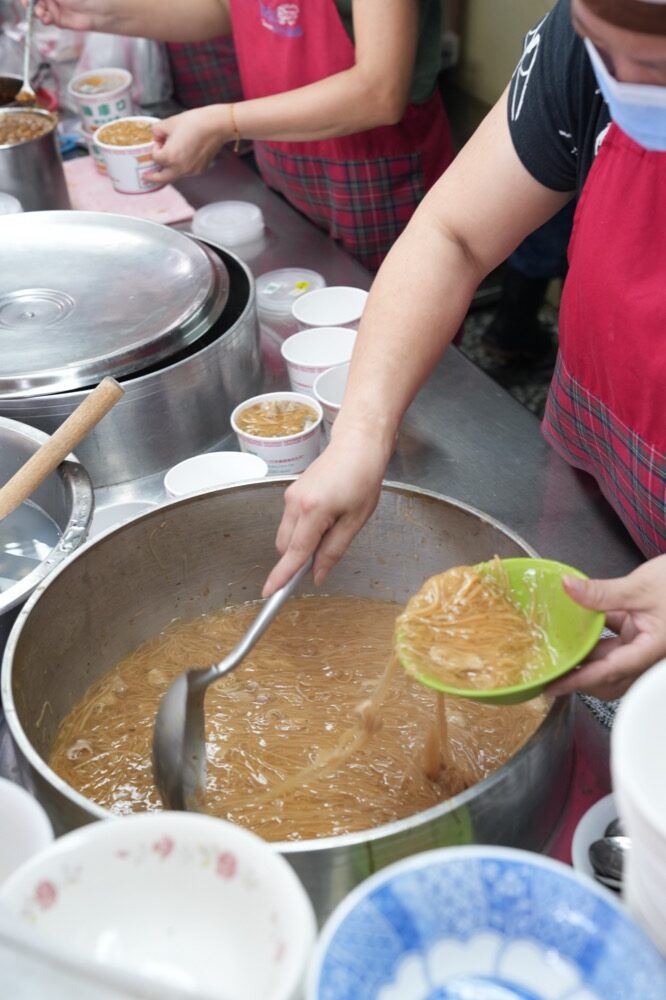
234,126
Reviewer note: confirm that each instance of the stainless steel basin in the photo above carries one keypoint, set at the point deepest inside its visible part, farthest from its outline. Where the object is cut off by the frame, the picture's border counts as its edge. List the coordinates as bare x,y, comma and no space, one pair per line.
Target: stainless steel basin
212,549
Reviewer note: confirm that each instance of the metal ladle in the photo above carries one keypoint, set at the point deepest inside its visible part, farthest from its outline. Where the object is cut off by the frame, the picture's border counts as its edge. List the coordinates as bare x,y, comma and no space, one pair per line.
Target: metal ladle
26,94
179,742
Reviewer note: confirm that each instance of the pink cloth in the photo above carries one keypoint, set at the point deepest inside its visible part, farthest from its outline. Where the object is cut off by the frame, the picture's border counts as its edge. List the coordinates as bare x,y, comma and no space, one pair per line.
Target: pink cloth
90,191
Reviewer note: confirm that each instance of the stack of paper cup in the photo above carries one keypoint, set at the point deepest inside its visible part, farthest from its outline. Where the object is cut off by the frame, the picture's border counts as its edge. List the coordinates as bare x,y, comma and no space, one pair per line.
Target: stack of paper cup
638,758
329,390
100,96
311,352
337,305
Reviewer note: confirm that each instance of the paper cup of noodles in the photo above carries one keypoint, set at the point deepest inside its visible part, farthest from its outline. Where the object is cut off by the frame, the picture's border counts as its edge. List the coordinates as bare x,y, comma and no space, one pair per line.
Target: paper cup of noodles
337,305
329,389
101,96
127,148
283,428
311,352
95,152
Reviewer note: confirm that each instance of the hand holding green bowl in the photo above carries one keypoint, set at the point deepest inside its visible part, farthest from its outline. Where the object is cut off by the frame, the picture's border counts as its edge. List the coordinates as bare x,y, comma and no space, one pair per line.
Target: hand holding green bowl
535,586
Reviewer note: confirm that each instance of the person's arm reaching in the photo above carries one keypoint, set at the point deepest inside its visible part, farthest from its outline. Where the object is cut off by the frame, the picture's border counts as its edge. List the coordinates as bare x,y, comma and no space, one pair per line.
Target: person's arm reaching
170,21
372,92
476,214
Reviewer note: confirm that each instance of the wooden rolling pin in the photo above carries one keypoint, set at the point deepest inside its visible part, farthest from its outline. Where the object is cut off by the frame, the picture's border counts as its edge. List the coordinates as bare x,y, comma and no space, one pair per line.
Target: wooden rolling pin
64,440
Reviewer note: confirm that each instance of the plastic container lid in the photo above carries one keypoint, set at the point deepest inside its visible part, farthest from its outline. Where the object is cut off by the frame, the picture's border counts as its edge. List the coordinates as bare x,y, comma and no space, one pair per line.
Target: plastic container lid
278,290
229,222
9,204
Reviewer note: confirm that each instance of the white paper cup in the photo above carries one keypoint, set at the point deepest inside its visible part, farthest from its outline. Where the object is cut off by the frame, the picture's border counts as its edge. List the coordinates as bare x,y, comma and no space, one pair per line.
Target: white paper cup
128,165
104,107
283,455
329,390
211,471
337,305
311,352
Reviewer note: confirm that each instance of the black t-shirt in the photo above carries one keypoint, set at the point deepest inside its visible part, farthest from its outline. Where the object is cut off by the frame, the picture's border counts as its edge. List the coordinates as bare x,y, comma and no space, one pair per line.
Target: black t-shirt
557,117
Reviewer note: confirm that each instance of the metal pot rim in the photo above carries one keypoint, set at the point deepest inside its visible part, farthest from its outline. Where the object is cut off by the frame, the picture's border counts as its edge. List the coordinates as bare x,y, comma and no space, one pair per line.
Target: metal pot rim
80,492
558,708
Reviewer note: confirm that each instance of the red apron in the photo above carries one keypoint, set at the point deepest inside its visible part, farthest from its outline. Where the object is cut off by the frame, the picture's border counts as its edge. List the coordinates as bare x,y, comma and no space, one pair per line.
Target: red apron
606,411
362,188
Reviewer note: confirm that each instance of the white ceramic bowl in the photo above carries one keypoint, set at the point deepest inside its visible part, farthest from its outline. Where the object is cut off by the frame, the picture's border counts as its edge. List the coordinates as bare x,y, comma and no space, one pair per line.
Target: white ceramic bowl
101,108
186,899
212,470
128,165
309,353
336,305
329,390
24,827
287,455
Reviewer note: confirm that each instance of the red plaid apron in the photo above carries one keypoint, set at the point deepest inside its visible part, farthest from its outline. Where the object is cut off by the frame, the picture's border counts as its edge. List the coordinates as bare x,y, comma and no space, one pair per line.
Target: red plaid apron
363,188
606,411
204,72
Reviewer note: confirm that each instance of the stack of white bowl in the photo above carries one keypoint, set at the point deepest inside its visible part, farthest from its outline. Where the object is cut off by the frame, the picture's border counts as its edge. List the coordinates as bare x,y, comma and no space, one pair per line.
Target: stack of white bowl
639,780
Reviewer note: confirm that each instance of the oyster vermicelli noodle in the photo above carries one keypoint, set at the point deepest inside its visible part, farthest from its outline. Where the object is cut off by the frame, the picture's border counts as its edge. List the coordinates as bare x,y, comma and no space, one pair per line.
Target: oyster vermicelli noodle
462,628
317,733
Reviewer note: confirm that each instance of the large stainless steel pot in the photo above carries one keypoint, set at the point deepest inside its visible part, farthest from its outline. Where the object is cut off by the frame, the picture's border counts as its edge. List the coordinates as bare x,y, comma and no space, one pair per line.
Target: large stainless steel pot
32,171
203,552
178,408
66,496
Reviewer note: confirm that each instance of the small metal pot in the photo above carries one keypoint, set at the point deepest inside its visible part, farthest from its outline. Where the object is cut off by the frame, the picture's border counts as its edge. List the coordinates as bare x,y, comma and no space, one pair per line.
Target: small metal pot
66,496
32,171
212,549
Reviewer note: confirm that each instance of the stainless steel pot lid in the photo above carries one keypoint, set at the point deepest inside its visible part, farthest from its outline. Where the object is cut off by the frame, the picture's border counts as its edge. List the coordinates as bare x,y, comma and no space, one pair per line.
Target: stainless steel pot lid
86,294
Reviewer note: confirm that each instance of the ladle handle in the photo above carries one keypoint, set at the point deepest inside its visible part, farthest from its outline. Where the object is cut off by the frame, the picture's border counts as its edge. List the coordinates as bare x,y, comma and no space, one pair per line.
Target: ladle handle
265,618
26,87
63,440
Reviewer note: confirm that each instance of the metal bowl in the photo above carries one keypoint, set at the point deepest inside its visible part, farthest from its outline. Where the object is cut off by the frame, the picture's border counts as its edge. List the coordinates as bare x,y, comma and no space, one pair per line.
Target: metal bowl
212,549
32,171
66,496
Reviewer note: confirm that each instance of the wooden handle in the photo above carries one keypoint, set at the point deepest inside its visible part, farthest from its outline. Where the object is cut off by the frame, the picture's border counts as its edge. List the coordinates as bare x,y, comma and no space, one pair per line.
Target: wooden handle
65,439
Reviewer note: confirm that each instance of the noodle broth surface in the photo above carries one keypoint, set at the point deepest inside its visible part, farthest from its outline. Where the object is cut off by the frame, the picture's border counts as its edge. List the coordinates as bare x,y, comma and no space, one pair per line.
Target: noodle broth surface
291,705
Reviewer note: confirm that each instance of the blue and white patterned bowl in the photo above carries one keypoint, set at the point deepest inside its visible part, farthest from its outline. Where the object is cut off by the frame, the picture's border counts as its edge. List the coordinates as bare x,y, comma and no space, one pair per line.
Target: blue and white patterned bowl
483,923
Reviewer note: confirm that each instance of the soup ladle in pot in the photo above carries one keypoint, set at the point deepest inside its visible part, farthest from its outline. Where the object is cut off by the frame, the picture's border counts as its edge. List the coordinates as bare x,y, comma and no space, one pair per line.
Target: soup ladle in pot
179,741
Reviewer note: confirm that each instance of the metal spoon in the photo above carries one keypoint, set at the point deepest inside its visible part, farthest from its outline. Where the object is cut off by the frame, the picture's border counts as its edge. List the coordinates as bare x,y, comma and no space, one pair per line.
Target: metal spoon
614,829
26,94
607,856
179,746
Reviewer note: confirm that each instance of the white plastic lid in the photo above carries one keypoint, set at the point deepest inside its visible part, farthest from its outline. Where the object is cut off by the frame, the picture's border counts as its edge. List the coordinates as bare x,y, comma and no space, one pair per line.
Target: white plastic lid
212,470
278,290
9,205
229,222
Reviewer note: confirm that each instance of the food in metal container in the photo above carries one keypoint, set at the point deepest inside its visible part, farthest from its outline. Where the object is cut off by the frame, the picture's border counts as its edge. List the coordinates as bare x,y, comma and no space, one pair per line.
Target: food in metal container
126,133
98,84
276,418
23,126
317,733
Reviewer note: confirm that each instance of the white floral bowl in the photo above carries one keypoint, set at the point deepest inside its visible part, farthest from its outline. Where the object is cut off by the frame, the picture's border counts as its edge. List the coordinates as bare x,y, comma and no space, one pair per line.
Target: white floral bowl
483,923
189,900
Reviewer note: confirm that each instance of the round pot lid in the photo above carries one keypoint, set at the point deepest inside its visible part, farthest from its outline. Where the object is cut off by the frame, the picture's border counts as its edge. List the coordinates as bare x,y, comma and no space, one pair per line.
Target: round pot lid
86,294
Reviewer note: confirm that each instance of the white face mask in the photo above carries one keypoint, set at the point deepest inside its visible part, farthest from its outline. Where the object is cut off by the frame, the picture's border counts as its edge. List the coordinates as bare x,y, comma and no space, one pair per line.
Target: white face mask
638,108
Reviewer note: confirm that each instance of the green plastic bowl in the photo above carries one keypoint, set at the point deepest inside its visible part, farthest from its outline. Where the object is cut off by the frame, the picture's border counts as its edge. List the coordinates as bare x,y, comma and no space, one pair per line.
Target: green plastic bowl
572,631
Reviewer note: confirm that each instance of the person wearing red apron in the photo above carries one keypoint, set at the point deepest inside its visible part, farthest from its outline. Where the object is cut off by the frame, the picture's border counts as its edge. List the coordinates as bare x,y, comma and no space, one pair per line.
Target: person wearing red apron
361,188
549,135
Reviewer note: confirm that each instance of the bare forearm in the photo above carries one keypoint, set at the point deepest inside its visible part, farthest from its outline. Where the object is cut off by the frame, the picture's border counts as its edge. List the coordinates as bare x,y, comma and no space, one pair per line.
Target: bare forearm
414,312
176,21
340,105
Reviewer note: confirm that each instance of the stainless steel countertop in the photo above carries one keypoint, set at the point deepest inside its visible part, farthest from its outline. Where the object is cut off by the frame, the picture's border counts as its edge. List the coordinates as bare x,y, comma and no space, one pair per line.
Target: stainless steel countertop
463,436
